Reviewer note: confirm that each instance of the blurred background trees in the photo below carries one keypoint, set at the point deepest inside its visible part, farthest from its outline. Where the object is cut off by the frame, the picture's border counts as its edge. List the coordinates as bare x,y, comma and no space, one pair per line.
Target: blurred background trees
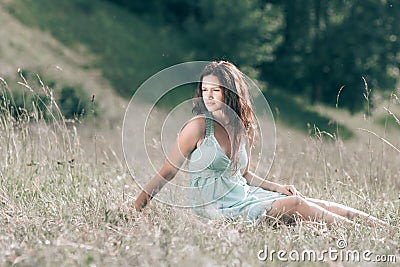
329,44
307,48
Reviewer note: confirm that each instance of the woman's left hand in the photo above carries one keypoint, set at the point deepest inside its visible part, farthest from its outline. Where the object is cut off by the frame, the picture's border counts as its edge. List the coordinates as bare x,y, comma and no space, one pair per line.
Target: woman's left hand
289,190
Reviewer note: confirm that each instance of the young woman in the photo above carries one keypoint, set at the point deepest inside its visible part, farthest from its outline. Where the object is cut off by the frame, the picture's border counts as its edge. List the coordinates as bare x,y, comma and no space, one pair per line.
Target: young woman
216,146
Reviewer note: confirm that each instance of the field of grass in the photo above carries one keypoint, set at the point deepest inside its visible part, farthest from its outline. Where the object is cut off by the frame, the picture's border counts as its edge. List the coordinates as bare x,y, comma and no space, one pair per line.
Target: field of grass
65,188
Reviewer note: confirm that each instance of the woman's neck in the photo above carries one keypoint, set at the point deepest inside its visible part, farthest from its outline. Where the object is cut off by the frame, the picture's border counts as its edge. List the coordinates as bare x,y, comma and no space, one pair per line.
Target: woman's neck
220,117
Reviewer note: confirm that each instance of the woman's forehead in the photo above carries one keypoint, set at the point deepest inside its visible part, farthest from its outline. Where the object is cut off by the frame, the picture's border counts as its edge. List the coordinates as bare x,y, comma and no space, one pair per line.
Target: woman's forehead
210,81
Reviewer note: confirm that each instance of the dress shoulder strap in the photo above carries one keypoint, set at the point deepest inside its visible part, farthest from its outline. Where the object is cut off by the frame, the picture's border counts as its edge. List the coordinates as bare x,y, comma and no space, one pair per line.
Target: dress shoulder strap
209,124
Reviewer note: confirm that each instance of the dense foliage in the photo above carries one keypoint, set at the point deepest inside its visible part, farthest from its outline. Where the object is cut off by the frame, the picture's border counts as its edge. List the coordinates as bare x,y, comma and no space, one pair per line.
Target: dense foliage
310,47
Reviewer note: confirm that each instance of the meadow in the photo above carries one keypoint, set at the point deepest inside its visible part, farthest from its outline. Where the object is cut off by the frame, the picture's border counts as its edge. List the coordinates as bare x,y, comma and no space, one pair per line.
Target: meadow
66,191
65,197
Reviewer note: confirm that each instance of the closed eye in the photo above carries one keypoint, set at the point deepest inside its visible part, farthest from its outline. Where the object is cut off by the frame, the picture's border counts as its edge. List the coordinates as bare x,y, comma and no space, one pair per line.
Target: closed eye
214,89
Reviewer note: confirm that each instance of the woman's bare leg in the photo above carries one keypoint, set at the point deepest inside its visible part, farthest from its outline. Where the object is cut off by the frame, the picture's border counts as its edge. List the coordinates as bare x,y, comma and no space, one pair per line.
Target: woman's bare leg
345,211
297,206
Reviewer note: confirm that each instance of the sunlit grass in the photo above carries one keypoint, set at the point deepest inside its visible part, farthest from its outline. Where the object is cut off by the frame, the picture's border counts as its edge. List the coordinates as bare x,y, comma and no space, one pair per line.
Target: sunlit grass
60,206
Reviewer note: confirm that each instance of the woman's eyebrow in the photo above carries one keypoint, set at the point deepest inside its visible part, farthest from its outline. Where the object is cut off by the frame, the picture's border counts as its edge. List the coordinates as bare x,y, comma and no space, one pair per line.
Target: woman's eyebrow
211,87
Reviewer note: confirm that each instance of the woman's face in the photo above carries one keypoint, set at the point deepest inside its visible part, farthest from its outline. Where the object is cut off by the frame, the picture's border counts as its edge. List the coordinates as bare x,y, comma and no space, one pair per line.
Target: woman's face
212,93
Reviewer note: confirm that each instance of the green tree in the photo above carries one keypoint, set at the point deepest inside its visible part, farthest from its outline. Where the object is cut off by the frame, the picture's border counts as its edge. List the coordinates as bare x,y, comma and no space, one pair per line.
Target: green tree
329,44
242,31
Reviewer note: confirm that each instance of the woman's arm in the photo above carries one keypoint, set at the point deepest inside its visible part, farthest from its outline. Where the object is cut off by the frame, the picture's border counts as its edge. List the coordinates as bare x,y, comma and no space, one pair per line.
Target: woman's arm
185,143
255,180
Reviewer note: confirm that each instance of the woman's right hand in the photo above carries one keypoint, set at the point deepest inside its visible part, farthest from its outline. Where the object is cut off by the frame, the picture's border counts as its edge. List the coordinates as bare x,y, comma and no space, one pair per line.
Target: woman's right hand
289,190
140,202
136,207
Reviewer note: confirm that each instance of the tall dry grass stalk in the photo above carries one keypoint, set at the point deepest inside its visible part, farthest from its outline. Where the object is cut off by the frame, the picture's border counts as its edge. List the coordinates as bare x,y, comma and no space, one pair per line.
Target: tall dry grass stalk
49,186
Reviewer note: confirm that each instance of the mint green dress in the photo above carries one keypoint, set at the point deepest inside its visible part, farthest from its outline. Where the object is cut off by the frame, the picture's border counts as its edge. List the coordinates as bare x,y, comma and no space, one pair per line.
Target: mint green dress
216,190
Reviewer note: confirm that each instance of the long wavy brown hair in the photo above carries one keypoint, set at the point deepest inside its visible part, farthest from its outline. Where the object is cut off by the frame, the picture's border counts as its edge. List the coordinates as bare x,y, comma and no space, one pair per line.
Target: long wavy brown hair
235,91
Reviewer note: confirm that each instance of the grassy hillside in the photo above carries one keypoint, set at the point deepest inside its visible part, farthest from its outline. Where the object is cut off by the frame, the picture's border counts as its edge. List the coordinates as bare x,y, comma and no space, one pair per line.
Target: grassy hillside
127,50
38,55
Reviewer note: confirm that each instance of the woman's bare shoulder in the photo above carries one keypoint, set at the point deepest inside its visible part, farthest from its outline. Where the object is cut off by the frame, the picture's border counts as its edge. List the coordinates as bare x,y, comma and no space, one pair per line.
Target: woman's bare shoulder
197,124
191,133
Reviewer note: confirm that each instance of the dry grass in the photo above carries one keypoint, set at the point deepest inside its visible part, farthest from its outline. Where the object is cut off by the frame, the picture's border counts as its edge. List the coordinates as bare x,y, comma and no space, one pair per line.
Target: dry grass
62,194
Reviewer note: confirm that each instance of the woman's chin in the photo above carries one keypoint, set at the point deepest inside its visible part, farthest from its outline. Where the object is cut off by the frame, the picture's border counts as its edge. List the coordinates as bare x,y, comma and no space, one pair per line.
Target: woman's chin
212,110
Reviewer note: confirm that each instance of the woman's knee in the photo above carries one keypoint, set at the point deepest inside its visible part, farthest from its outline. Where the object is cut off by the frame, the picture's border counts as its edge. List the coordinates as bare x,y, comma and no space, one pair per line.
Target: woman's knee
296,201
287,206
291,203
